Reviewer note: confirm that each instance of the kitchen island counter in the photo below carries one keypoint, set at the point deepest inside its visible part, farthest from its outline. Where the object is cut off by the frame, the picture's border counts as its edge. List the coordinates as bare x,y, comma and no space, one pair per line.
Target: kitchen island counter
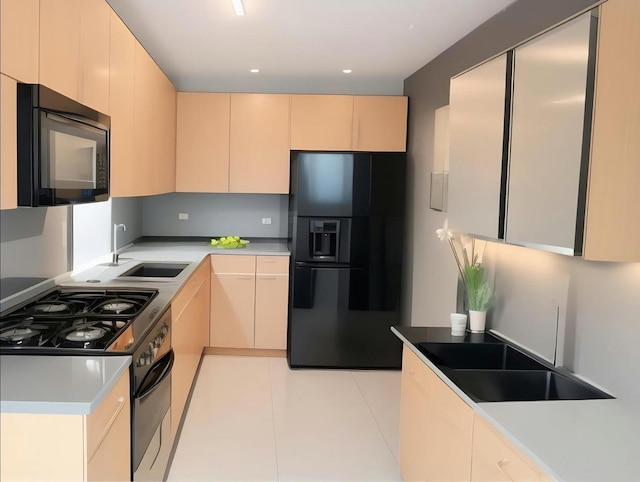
71,385
571,440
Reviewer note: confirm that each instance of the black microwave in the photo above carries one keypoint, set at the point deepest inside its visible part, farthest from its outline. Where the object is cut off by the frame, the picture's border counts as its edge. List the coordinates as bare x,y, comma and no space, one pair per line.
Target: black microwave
63,149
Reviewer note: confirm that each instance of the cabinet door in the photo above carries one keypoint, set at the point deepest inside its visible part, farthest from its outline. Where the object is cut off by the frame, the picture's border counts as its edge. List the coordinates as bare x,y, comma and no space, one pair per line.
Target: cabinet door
19,49
166,167
145,122
94,54
108,436
380,123
233,284
232,305
415,409
202,149
125,175
451,429
547,131
476,129
8,151
614,171
321,122
60,46
259,145
494,459
272,301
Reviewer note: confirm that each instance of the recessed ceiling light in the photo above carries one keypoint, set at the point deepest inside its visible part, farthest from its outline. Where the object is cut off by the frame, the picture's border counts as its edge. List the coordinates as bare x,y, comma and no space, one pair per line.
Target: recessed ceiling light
238,7
346,71
254,71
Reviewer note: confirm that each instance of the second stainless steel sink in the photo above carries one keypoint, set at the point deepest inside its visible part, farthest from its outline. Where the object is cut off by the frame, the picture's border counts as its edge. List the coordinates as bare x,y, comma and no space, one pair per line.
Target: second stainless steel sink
522,385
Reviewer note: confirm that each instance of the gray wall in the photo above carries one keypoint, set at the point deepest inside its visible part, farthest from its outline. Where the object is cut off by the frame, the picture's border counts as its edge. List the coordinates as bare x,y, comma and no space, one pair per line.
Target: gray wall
597,303
215,215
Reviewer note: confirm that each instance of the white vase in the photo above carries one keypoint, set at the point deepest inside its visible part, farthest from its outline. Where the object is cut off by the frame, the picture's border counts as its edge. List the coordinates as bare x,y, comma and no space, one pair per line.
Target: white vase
477,321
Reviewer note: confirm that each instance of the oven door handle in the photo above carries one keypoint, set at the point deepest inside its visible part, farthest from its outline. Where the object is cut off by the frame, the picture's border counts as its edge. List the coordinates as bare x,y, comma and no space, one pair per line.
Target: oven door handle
156,375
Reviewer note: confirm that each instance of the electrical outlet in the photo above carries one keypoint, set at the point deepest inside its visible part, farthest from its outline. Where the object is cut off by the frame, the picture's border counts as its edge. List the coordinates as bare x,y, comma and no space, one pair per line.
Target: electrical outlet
266,220
183,216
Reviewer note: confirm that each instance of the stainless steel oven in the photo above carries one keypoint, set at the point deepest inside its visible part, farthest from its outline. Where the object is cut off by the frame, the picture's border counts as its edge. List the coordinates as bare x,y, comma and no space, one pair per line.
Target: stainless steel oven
151,403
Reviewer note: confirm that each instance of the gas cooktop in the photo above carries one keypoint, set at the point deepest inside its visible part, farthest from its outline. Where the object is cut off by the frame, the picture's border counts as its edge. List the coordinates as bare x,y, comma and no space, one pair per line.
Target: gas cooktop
75,320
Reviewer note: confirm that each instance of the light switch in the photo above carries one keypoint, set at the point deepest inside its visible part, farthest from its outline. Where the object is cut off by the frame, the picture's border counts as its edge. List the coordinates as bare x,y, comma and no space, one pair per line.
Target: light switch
183,216
266,220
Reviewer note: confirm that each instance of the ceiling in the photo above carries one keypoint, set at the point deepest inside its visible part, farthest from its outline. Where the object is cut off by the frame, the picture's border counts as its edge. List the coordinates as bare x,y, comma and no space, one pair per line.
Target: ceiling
300,46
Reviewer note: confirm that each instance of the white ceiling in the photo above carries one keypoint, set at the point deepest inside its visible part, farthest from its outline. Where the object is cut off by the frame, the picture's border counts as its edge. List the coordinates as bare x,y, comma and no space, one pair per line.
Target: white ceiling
299,45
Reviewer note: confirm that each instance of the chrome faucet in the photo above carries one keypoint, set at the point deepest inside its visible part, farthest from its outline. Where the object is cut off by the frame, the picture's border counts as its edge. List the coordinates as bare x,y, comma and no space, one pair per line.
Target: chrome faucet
116,227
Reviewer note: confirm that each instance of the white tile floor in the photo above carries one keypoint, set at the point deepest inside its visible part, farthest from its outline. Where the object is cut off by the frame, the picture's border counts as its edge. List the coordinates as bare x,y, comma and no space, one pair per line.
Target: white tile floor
253,419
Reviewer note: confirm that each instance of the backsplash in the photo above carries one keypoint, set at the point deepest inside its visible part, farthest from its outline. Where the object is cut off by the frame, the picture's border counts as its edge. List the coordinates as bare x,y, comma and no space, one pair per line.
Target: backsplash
34,242
215,215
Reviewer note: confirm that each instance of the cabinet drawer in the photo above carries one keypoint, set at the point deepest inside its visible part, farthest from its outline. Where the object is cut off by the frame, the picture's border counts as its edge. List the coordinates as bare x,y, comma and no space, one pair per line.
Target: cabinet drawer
272,264
188,290
233,264
100,421
495,459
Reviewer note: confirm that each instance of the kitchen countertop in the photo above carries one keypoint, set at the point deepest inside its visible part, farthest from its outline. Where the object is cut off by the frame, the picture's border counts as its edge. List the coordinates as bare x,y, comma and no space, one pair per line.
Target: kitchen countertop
77,384
57,384
572,440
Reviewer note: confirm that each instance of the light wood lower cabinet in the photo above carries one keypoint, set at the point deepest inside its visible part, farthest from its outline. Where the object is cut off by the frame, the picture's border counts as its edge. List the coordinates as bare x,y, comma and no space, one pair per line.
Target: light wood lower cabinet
94,447
249,301
435,427
495,459
443,439
190,334
8,149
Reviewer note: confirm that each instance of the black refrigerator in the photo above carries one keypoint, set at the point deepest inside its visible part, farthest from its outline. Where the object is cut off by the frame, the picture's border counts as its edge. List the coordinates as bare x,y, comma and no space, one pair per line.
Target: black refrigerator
346,226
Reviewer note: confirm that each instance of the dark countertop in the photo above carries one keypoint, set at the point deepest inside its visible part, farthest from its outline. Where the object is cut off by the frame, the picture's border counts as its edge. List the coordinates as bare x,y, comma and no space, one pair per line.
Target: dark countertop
433,334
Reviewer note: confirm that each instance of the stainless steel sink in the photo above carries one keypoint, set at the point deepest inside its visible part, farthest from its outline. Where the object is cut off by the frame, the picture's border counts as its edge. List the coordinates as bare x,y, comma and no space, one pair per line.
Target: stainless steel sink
482,356
521,385
155,270
497,372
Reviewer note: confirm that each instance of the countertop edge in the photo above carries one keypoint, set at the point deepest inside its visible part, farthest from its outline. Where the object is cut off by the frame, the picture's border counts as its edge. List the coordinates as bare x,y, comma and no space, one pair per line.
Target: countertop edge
478,408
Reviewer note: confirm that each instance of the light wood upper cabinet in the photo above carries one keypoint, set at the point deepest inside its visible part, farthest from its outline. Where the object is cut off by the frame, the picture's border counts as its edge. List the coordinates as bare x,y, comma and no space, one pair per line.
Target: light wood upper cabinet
145,122
166,170
272,302
348,123
125,172
612,226
259,143
94,54
496,460
74,50
19,39
202,151
380,123
321,122
60,68
8,148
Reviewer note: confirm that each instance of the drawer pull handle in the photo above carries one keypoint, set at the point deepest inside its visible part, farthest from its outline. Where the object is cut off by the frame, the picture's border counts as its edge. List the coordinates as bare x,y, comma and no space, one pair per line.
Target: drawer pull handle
121,401
244,277
267,277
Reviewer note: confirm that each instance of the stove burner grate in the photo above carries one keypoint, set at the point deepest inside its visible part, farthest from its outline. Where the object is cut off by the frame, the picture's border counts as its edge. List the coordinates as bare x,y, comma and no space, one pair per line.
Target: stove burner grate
86,333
